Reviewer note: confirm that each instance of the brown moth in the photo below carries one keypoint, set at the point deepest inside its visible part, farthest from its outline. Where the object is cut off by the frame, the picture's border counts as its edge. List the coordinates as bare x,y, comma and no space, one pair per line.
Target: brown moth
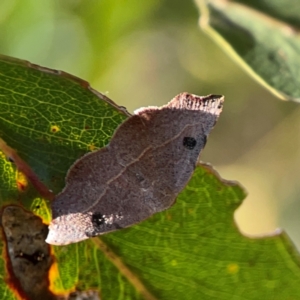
149,160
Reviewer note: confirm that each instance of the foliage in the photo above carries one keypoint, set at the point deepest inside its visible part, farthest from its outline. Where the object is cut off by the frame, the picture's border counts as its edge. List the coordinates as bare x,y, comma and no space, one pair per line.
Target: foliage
189,251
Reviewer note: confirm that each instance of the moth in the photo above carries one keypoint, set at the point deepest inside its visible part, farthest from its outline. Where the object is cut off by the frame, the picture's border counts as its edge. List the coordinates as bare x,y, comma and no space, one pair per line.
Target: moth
149,160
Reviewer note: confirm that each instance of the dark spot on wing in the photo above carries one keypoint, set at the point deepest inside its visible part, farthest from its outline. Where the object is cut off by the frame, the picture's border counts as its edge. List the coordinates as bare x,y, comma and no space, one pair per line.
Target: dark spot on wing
98,219
189,142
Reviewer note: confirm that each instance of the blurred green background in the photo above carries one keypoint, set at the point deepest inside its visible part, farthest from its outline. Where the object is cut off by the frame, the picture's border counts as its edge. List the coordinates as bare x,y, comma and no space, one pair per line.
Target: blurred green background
143,53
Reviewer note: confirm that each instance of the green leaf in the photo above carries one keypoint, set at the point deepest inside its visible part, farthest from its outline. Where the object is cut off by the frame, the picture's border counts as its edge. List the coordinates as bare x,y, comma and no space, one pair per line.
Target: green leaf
191,251
261,36
52,118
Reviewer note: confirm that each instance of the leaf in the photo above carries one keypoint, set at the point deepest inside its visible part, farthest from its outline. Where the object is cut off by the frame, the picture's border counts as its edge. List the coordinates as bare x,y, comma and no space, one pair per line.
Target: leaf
191,251
50,118
261,36
41,107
